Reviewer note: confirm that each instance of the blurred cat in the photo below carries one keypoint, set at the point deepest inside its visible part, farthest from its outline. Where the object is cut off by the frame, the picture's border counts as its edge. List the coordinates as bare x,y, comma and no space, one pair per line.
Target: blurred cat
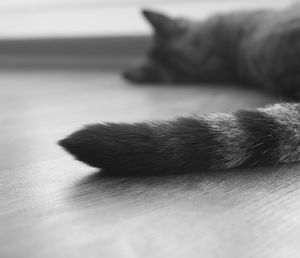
258,48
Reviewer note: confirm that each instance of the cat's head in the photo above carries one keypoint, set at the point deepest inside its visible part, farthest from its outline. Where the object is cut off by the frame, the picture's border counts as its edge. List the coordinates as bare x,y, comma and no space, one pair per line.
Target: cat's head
181,50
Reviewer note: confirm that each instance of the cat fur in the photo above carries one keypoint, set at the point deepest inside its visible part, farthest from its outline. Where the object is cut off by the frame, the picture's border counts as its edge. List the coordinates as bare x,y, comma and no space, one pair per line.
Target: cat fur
258,48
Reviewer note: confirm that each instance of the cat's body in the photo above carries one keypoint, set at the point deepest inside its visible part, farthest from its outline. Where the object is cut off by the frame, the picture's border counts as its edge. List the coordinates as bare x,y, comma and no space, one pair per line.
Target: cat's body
260,48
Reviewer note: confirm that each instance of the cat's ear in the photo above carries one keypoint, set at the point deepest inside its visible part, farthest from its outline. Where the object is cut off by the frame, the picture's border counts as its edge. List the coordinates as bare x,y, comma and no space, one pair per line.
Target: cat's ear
161,23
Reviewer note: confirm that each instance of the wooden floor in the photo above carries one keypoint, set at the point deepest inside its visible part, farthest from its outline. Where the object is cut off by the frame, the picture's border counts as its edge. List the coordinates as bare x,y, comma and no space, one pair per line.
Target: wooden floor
53,206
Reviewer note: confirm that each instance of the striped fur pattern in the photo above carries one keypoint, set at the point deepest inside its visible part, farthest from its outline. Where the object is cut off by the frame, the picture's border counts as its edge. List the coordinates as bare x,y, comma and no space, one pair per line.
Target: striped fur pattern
259,48
247,138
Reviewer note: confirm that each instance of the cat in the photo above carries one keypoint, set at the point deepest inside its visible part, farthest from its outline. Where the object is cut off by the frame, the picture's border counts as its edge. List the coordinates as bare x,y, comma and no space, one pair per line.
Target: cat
255,48
258,48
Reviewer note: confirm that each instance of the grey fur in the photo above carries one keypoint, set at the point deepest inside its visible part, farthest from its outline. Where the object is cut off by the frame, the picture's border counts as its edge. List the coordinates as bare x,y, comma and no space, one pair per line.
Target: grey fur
259,48
269,135
255,47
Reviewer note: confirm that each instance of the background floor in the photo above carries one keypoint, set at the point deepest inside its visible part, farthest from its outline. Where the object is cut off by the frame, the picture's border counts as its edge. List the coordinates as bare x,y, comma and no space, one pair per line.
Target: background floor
54,206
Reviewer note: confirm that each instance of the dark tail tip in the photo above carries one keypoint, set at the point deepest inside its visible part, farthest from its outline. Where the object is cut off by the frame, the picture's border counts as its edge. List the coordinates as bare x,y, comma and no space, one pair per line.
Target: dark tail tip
62,143
65,144
123,149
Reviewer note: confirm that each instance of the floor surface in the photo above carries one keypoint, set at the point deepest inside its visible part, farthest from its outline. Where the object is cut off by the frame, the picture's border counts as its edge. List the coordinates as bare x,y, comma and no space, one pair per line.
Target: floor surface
53,206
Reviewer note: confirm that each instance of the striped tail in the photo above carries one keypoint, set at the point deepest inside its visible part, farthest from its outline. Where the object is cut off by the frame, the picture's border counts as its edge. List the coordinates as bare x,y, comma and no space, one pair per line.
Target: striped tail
246,138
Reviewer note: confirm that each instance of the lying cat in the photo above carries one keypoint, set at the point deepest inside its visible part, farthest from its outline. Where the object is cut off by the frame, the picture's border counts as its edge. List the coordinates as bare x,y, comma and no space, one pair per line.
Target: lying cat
259,48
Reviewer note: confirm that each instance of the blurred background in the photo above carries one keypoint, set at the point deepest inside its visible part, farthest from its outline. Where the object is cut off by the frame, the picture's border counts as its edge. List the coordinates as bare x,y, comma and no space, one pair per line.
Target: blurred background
65,18
88,32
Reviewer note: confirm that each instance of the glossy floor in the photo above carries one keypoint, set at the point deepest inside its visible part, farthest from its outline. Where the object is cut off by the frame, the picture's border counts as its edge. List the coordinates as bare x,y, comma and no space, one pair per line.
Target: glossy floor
54,206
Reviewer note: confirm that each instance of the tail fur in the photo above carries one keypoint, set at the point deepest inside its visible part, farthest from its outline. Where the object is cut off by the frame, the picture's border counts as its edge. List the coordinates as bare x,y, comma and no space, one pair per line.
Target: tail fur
247,138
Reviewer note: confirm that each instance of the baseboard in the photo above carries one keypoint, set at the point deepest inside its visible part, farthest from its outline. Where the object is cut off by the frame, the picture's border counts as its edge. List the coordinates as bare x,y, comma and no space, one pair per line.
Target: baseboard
104,52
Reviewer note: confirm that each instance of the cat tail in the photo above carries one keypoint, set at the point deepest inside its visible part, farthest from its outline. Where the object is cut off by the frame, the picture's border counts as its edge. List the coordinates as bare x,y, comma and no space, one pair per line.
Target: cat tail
216,141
